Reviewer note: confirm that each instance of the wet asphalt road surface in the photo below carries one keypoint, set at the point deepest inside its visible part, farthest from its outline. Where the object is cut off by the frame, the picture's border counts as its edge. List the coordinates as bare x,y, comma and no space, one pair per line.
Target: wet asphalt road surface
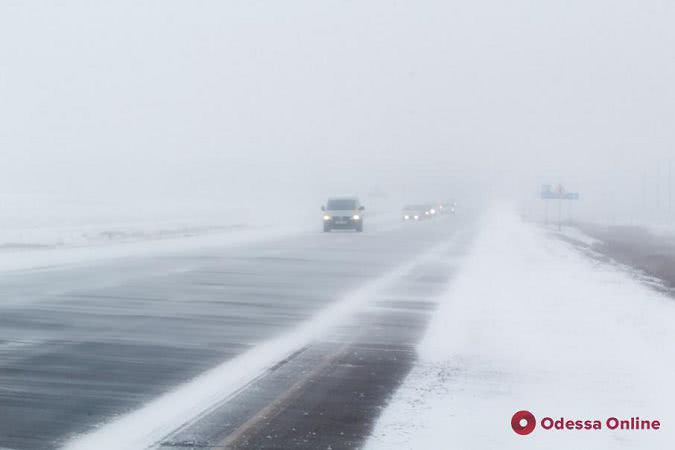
330,394
80,345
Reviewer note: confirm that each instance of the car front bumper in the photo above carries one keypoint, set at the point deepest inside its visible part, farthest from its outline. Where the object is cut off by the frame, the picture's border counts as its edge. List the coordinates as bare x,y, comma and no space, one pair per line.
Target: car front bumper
342,222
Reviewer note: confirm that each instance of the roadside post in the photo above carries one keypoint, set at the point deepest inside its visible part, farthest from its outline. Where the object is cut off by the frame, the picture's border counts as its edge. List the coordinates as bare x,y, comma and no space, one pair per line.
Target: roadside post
560,194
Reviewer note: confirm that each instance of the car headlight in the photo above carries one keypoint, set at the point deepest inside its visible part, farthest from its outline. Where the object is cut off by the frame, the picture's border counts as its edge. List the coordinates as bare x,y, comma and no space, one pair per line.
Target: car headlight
417,217
356,217
433,211
406,217
326,217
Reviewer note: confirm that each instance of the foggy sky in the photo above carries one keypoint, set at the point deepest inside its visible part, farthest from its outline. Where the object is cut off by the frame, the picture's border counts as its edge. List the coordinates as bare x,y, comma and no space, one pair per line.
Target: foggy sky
220,99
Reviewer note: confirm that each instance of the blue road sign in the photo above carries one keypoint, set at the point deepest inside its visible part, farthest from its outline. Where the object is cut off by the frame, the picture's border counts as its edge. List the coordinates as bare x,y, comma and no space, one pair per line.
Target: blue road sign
548,193
560,195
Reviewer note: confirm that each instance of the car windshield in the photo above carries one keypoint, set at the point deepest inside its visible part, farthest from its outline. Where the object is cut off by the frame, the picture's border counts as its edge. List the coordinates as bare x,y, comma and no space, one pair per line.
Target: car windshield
341,204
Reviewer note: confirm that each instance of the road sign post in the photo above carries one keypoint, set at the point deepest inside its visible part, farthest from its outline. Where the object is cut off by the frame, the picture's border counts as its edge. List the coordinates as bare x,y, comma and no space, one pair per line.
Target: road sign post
559,193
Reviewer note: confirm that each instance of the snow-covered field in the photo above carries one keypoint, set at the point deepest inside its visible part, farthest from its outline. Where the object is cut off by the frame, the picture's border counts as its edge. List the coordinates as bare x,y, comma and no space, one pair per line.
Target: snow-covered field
50,221
44,230
665,231
47,230
531,324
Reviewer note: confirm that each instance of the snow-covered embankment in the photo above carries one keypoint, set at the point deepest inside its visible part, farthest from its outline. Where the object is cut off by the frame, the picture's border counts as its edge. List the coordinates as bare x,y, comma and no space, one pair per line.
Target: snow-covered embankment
531,324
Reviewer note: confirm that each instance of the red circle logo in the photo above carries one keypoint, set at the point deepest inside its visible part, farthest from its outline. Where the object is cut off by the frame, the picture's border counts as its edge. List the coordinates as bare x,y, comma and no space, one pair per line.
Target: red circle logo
523,422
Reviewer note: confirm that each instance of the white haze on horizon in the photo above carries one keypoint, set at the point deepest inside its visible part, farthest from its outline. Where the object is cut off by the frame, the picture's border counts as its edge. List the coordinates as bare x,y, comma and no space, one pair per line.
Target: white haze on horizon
256,102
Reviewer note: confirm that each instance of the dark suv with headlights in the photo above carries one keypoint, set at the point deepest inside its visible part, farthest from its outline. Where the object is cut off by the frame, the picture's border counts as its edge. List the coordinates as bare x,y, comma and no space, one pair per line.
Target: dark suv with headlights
343,213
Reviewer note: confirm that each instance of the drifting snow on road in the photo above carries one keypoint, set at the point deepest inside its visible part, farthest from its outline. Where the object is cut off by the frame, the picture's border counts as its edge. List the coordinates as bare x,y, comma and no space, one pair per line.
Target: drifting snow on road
531,324
145,427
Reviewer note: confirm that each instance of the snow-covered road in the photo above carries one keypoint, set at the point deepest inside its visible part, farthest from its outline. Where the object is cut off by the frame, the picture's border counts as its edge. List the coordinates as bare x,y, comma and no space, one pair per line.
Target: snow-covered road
307,340
85,345
530,323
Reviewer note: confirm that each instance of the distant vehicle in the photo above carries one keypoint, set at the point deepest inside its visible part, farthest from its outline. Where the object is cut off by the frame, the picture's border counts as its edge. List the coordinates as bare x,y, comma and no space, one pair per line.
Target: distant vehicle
417,212
343,213
447,208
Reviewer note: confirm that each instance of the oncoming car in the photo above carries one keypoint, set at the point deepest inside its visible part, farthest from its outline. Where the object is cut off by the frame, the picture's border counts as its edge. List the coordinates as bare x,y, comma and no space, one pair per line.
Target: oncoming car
447,208
345,213
417,212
